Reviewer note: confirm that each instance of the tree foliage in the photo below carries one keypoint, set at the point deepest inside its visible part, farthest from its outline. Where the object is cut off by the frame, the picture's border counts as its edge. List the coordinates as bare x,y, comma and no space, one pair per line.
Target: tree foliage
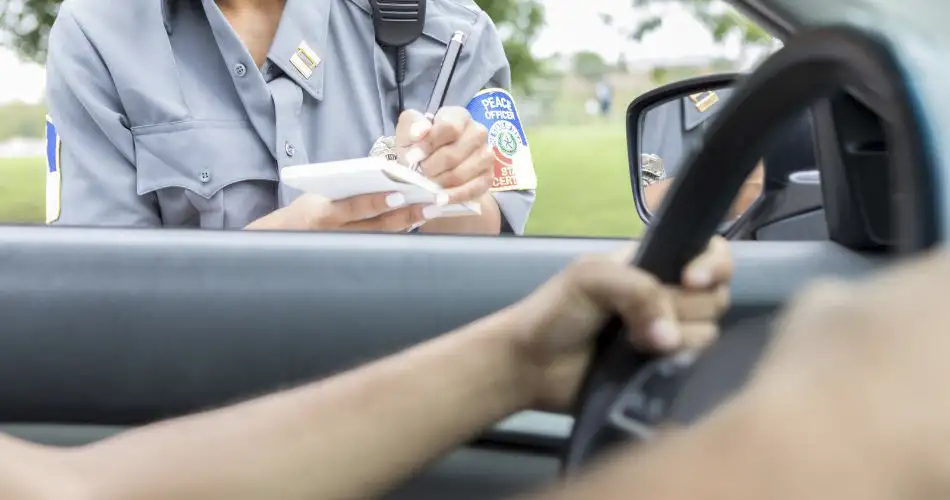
721,20
26,25
22,120
519,22
589,65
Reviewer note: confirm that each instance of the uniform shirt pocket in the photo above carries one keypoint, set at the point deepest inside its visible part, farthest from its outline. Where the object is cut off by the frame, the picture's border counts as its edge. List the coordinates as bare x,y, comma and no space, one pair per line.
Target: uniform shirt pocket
208,174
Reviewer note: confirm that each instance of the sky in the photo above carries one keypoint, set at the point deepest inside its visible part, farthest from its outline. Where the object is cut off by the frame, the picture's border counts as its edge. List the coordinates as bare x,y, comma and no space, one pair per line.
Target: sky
572,25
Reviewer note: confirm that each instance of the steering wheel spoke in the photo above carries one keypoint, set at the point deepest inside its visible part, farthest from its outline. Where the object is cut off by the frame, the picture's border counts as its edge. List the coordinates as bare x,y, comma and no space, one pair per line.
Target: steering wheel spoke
647,400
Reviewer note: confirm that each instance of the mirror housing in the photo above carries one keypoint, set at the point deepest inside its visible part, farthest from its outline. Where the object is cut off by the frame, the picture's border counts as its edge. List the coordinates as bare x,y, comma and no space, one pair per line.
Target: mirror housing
664,127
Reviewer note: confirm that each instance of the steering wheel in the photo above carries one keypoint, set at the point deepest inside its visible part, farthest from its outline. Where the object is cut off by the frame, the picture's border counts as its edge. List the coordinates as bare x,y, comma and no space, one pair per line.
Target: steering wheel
627,393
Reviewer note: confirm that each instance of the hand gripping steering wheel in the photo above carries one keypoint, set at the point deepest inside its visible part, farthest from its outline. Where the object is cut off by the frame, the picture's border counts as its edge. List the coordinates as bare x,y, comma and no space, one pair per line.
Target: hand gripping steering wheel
626,393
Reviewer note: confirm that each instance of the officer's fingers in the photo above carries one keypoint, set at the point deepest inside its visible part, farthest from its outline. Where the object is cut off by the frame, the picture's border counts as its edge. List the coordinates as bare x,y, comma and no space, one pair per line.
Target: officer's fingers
411,128
411,131
711,268
390,222
472,189
366,206
444,160
448,126
480,163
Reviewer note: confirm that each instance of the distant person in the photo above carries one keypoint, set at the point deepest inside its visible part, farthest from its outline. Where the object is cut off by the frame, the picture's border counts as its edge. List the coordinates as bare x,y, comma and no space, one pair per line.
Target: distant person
605,96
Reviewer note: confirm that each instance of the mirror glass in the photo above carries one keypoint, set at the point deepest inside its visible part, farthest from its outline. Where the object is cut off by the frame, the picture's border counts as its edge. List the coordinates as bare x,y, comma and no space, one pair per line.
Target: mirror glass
668,131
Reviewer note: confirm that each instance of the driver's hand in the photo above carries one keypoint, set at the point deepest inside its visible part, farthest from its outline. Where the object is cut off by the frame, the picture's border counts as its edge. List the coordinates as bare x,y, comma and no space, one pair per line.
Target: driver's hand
563,316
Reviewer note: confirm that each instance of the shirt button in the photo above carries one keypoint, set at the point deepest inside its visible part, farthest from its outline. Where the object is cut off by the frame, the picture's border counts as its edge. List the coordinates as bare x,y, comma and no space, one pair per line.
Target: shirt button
204,176
289,149
240,69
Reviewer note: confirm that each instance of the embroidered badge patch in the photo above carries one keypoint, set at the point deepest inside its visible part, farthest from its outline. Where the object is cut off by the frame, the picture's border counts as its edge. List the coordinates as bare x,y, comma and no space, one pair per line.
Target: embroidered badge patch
53,176
514,168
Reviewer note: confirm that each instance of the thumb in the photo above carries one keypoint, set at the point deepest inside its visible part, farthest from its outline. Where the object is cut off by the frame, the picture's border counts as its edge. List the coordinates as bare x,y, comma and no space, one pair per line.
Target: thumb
641,300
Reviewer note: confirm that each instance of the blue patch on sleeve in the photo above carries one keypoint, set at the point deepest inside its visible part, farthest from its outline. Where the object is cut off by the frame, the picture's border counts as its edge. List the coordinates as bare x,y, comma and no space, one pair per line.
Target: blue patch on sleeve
52,146
54,186
491,106
495,109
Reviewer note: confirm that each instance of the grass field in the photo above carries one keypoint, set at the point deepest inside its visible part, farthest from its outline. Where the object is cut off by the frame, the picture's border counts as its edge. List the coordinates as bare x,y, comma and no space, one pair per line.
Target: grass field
22,190
584,184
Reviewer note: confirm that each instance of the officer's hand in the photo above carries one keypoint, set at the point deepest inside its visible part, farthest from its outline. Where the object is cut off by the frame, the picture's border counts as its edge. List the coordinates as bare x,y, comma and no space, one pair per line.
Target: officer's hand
558,322
453,150
379,212
864,366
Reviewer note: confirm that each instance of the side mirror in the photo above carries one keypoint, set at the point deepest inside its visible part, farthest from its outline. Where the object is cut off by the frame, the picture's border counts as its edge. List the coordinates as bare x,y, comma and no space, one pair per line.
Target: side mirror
665,126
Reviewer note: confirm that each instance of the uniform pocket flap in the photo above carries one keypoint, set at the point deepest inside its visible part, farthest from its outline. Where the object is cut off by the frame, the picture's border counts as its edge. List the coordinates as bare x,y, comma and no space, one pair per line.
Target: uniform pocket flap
202,157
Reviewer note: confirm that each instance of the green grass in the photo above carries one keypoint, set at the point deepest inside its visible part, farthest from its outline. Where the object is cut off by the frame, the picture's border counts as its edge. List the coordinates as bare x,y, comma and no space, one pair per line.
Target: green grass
584,184
22,192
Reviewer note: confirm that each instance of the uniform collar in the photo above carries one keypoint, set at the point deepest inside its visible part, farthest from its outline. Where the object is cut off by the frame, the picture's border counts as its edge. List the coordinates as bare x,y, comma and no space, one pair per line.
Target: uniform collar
302,38
304,24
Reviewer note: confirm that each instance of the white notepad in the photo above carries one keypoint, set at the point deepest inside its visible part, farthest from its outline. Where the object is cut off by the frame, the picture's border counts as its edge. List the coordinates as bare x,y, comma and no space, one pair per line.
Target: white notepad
343,179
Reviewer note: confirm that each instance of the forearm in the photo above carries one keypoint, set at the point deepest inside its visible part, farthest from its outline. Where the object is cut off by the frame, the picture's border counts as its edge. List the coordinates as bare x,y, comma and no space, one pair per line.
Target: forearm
748,194
654,193
745,454
488,223
351,436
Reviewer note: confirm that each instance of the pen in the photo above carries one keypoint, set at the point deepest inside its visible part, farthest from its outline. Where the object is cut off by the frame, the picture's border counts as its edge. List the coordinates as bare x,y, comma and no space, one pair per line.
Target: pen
446,72
440,89
436,100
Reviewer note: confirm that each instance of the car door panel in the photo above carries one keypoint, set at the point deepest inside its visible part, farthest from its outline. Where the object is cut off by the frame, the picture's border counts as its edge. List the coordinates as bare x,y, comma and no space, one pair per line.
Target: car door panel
107,328
809,226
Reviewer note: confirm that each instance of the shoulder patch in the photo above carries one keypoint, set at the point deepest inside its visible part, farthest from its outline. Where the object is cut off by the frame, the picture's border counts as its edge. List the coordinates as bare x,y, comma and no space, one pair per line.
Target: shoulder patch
54,148
514,168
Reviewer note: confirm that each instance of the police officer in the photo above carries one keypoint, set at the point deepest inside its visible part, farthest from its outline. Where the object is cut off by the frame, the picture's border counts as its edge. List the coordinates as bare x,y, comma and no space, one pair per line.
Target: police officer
673,129
182,112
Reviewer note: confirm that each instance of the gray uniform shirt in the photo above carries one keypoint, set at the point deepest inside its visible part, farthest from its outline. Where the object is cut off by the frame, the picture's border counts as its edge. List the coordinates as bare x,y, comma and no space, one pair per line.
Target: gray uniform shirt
672,129
162,118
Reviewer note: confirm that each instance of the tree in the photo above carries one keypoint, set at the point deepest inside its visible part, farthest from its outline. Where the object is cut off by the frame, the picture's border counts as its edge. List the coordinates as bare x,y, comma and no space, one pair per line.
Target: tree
589,65
26,24
22,120
721,20
519,22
